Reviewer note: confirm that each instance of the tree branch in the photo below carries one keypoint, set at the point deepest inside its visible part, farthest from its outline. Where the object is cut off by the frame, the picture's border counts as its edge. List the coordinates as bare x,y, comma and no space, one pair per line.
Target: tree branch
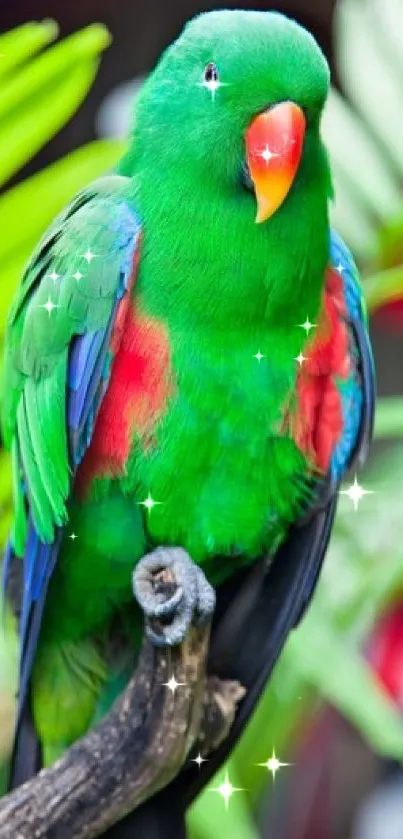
133,752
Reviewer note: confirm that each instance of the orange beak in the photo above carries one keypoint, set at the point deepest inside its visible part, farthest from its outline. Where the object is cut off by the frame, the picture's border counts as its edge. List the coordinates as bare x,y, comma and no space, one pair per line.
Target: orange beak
274,142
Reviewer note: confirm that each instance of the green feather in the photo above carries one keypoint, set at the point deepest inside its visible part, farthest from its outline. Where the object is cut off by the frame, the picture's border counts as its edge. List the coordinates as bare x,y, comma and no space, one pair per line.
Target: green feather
19,532
38,342
43,425
38,499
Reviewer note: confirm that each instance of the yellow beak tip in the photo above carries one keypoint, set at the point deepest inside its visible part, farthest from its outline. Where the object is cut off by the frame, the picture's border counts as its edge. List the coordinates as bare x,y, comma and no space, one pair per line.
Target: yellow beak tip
264,211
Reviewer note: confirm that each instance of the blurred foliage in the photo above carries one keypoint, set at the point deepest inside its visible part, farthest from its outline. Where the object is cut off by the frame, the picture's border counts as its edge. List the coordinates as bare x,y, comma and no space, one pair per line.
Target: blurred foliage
362,130
40,89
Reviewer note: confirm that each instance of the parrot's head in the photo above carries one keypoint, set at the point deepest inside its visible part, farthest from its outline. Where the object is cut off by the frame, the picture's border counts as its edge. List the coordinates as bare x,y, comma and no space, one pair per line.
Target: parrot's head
235,103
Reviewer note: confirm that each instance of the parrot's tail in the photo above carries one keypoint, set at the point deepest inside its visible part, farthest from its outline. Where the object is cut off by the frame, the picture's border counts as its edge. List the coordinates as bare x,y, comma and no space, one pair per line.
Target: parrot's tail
20,755
26,757
9,665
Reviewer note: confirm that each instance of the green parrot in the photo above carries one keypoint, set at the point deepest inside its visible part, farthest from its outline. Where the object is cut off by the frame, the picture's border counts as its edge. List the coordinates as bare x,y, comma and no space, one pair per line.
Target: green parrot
181,367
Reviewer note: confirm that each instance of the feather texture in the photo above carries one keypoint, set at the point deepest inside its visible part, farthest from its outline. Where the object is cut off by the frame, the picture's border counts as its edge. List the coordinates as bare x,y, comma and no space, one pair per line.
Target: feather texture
59,357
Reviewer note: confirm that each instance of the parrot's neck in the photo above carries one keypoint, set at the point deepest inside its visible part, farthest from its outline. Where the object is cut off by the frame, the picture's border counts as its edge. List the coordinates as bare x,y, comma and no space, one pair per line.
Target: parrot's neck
205,260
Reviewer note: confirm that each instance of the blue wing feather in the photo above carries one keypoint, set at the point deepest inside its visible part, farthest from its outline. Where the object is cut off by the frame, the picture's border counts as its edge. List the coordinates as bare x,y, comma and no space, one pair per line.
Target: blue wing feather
358,391
87,376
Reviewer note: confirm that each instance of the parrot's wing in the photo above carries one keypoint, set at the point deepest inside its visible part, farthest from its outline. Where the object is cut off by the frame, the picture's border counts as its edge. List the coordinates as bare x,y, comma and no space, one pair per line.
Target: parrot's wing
358,392
257,609
63,332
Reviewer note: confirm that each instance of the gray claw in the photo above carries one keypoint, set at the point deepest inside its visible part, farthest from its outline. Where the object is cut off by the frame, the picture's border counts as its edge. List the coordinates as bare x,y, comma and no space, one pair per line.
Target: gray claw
172,592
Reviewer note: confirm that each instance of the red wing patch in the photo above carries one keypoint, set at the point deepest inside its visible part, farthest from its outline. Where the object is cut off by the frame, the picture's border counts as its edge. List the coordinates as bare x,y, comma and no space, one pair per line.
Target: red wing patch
315,421
137,395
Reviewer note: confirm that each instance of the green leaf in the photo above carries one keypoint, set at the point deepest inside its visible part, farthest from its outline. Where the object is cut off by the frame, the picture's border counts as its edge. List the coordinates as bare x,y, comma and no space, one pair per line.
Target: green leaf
351,218
20,44
341,675
38,75
389,417
368,73
388,18
370,177
38,199
209,818
59,85
383,287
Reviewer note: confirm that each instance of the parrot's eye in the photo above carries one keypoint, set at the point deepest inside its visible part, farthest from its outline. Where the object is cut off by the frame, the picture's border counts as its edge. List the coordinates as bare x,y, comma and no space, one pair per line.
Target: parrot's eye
210,74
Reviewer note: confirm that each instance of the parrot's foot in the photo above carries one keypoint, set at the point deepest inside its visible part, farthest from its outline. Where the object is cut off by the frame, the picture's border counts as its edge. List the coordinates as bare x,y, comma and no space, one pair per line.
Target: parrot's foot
173,593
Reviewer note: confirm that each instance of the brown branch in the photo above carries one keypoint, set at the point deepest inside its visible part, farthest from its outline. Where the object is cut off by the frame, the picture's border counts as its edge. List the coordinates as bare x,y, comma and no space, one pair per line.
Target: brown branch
134,751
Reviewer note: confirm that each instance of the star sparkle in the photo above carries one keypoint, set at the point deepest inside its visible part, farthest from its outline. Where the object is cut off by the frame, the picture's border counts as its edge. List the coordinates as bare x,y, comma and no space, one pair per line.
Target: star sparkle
226,790
212,86
78,275
300,358
89,255
356,493
73,536
268,154
173,685
53,276
273,765
149,503
259,356
49,306
199,760
340,268
307,325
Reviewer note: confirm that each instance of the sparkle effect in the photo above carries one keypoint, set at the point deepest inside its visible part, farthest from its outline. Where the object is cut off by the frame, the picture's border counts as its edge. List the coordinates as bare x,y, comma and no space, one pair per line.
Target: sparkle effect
356,493
212,86
340,268
300,358
78,276
259,356
199,760
149,503
267,154
49,306
73,536
89,256
226,790
53,276
307,325
273,765
173,685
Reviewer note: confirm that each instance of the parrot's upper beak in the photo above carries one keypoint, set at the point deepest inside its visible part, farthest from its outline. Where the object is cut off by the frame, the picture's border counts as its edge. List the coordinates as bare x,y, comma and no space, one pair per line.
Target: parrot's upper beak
274,142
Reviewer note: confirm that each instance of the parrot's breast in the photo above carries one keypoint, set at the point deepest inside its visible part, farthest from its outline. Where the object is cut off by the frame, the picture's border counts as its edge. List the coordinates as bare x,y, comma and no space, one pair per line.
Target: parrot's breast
220,468
220,429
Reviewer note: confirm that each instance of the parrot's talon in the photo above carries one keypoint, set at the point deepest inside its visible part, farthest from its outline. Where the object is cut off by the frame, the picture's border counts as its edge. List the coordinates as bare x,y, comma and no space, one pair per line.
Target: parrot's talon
172,592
